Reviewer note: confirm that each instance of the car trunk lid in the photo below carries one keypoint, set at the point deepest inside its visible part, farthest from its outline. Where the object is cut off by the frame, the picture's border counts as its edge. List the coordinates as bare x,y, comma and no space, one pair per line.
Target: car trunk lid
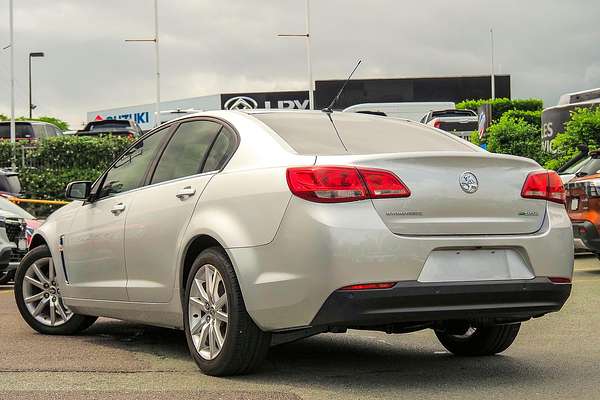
438,205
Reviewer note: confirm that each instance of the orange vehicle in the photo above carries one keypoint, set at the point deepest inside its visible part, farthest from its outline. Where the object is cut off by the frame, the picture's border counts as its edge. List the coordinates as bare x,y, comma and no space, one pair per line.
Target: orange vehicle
583,206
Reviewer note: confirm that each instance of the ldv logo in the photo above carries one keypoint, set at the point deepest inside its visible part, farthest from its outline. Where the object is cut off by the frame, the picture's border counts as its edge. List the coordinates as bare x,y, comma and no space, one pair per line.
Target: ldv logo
289,104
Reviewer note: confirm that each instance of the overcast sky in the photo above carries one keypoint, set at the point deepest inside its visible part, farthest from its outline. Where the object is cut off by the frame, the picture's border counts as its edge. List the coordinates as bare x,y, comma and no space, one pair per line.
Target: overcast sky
549,47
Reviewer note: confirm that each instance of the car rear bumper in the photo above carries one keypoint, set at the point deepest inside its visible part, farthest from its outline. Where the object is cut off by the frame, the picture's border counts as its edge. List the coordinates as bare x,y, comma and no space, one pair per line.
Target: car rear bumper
418,302
319,249
586,236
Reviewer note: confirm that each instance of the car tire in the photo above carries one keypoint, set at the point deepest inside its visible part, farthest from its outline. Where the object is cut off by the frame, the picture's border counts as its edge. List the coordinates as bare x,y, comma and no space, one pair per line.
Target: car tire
483,341
4,278
239,345
72,323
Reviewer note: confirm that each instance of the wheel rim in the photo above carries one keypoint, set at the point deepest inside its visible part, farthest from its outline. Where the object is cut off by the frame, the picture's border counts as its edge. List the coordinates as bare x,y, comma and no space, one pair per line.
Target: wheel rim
42,295
208,312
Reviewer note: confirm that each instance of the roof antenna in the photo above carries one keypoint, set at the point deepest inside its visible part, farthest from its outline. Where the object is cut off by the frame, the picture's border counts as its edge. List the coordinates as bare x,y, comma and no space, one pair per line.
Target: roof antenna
329,109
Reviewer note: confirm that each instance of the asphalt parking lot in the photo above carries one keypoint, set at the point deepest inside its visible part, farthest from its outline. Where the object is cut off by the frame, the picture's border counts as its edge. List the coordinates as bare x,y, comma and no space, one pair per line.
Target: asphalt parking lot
557,356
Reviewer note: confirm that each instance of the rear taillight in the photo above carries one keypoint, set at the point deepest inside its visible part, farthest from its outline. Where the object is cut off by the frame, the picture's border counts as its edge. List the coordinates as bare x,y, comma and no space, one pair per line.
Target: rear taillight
325,184
370,286
559,280
545,185
437,123
382,184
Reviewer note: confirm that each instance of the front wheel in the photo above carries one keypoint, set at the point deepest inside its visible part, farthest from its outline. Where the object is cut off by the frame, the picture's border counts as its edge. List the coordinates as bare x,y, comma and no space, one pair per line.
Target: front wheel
479,341
221,336
39,299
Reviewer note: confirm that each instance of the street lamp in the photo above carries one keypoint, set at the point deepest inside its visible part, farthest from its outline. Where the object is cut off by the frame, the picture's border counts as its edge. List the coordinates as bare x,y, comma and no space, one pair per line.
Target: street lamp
311,90
156,51
31,55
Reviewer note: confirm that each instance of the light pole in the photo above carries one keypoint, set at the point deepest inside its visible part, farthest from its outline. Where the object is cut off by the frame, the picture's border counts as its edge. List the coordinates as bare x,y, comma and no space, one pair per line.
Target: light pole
493,74
156,48
13,136
311,90
31,106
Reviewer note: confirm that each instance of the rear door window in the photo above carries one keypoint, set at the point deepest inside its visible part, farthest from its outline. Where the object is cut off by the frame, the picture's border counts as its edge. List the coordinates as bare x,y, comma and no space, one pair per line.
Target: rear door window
221,151
186,151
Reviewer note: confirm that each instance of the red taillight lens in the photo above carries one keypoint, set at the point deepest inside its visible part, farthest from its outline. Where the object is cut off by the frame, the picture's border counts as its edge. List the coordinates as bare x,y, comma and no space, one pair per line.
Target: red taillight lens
558,279
324,184
382,184
545,185
437,123
370,286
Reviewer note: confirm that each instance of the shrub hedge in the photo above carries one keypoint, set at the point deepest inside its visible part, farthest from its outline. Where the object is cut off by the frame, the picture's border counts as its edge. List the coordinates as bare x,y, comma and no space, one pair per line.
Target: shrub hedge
517,136
582,128
503,105
54,162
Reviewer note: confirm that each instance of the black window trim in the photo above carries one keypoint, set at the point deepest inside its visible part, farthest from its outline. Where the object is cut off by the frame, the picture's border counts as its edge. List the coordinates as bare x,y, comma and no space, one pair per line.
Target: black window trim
223,123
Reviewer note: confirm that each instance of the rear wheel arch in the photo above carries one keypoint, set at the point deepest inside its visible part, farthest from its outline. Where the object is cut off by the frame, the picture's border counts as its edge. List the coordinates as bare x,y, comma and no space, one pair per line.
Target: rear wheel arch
37,241
196,246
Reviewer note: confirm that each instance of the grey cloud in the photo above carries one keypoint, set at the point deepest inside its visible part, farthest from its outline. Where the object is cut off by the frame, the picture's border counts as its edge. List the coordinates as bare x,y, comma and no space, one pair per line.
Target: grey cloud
549,47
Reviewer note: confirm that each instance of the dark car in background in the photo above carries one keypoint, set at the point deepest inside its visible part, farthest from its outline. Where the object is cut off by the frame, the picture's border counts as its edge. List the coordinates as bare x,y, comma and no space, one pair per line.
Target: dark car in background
29,130
16,226
461,123
10,185
115,127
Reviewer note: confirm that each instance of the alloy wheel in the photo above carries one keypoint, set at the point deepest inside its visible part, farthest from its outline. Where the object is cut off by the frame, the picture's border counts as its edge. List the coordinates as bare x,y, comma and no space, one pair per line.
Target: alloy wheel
42,295
208,312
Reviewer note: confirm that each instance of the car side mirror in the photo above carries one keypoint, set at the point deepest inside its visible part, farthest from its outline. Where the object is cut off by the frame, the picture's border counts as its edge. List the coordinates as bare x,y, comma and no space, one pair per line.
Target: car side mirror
78,190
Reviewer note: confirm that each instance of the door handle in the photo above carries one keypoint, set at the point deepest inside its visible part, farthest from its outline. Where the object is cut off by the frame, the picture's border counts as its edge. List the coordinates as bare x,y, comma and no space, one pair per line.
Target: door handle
186,192
118,208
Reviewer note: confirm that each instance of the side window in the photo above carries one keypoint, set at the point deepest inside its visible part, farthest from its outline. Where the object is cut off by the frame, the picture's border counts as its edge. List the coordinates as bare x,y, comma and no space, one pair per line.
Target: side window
128,172
221,150
50,130
186,151
39,131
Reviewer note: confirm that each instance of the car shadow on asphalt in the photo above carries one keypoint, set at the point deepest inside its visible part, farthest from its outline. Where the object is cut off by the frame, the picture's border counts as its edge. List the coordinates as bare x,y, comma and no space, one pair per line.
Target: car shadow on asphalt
331,361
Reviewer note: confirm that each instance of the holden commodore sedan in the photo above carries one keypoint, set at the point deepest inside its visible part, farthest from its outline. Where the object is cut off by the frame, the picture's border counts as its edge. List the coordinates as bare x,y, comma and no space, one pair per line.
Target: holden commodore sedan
250,229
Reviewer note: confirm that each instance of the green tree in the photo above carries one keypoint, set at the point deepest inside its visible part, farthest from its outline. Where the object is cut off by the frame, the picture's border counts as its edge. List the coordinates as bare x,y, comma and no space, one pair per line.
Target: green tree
517,137
582,128
502,105
62,125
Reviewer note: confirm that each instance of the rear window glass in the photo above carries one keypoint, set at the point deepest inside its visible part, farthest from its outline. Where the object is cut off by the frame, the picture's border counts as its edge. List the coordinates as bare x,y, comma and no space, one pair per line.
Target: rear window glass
313,133
592,167
21,130
108,125
453,113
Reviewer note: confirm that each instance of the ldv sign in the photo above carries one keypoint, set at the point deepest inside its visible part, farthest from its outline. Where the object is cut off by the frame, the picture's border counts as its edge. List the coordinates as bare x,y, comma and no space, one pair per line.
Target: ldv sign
275,100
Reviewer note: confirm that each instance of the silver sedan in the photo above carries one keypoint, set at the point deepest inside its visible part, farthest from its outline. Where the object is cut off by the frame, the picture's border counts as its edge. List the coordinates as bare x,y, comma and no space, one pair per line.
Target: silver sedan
248,229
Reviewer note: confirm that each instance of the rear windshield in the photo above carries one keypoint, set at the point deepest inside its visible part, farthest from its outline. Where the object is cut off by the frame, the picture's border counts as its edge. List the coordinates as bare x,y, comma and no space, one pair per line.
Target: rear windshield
588,166
314,133
453,113
95,126
22,130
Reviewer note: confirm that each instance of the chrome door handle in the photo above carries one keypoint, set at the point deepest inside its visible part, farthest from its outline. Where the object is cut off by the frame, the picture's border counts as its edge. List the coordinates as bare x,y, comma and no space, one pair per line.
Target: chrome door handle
118,208
186,192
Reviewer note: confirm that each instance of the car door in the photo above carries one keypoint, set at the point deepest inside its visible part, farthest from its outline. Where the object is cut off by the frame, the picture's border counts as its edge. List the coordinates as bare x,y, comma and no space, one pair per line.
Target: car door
93,249
161,212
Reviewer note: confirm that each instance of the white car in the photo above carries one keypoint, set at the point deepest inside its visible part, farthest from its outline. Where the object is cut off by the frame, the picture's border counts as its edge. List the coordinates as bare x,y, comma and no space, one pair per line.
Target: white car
252,229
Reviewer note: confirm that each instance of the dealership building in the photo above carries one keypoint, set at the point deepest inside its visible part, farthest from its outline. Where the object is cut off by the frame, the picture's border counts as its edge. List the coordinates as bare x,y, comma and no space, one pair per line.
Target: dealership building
358,91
